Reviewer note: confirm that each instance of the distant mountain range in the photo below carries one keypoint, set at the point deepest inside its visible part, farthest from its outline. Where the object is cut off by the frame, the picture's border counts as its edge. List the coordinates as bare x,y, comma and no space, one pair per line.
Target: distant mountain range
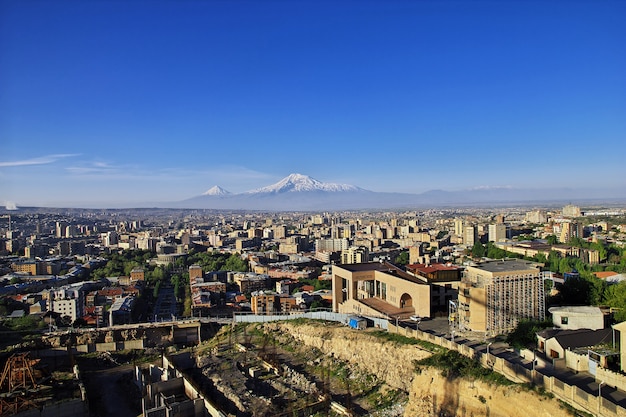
298,192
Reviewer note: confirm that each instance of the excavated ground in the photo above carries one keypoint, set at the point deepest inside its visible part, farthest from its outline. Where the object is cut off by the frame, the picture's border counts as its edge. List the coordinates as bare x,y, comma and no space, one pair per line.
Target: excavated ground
276,369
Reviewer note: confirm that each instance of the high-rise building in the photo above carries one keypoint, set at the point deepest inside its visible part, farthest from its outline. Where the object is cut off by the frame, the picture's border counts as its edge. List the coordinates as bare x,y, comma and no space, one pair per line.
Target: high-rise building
497,232
570,230
494,296
571,211
60,229
415,253
458,227
536,216
470,235
355,255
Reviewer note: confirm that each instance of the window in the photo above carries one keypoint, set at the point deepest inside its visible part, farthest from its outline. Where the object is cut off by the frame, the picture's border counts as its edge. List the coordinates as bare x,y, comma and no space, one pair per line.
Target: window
563,320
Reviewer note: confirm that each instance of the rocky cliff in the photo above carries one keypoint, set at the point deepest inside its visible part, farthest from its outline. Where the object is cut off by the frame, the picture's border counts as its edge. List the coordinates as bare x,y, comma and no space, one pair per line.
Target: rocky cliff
429,392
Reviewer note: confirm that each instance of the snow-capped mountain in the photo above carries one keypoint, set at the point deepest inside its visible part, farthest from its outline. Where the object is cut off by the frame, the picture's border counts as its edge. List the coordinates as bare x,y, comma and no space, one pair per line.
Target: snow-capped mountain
216,190
301,192
299,183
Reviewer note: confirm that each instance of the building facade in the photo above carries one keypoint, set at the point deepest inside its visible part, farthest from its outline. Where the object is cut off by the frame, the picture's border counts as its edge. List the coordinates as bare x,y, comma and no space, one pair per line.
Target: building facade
380,290
494,296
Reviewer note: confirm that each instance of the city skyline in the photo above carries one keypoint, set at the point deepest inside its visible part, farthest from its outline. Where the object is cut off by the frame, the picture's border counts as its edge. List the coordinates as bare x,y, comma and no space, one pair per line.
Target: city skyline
107,104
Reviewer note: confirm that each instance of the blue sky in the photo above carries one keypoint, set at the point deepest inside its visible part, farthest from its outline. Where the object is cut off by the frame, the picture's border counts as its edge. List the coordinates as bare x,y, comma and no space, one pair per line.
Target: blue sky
107,103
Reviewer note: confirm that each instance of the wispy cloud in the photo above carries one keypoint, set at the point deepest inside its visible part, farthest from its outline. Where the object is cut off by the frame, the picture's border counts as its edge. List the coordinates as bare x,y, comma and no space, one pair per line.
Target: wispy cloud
229,174
95,168
42,160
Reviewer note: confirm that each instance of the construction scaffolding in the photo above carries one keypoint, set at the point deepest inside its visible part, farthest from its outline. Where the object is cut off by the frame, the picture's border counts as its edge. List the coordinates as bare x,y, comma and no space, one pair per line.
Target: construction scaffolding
511,299
18,384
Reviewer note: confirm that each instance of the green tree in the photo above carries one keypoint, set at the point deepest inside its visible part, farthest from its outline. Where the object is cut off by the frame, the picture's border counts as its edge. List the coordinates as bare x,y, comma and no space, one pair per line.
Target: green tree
615,296
525,333
574,291
478,250
235,263
495,252
552,240
402,258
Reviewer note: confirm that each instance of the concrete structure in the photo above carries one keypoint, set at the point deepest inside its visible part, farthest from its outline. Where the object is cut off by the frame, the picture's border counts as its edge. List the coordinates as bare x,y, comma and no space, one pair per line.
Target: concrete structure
355,255
619,336
571,211
444,280
137,274
494,296
379,289
69,307
249,282
558,344
470,235
569,230
121,309
577,317
458,227
536,216
269,303
497,232
331,245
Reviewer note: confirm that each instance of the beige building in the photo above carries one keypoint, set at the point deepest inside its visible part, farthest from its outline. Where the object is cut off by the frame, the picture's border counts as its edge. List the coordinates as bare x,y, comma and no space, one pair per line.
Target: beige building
570,230
379,290
249,282
444,280
494,296
458,227
571,211
497,232
355,255
137,274
470,235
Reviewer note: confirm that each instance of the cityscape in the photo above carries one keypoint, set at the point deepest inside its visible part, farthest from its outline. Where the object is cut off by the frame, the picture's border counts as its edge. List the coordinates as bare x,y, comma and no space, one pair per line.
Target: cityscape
310,208
110,281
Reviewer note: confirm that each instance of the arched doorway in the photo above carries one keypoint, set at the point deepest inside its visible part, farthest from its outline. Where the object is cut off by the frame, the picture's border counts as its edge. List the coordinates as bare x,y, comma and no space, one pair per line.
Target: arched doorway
406,301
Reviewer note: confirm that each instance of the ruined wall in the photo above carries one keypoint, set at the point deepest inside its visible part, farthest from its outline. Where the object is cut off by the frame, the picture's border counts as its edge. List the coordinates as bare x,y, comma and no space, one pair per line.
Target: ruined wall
390,362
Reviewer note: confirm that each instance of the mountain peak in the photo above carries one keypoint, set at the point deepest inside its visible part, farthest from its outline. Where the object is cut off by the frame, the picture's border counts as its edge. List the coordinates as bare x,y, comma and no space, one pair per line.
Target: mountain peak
298,182
216,190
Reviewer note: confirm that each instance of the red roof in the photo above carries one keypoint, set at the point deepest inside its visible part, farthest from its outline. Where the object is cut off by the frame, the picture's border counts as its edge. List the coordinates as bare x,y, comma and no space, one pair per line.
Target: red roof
433,267
604,274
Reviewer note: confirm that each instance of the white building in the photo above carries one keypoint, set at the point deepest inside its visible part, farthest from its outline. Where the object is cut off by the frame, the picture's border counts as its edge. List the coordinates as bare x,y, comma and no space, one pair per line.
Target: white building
577,317
497,232
69,307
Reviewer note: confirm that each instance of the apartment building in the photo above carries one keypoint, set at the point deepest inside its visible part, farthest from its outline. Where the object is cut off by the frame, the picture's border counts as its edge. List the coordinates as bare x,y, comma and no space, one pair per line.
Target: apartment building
355,255
494,296
497,232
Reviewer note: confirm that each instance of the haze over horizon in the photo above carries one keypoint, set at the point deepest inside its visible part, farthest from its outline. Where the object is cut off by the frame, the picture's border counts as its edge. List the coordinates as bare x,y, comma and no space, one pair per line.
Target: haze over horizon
114,103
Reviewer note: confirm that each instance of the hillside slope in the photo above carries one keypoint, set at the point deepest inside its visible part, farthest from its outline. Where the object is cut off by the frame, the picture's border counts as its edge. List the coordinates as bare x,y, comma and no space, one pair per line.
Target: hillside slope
429,393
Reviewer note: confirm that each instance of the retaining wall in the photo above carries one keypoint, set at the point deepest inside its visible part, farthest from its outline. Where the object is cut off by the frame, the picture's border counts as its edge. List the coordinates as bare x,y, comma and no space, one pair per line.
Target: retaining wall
568,393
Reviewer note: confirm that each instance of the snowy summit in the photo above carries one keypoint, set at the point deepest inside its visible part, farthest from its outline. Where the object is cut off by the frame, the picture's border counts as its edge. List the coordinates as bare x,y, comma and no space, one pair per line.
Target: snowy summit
216,190
299,182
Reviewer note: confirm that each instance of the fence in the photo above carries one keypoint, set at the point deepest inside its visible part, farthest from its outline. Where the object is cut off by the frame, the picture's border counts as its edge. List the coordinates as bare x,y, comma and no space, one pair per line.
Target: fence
321,314
570,394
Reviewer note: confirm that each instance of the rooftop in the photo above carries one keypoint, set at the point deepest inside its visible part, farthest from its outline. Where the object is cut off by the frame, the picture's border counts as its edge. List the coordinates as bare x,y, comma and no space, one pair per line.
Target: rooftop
576,310
506,265
369,266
